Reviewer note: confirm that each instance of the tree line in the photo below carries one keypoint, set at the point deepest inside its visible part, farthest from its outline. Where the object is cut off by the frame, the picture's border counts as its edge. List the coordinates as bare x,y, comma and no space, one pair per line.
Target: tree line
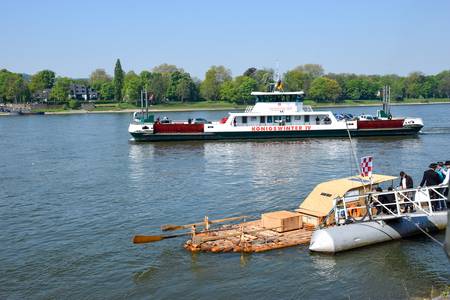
170,83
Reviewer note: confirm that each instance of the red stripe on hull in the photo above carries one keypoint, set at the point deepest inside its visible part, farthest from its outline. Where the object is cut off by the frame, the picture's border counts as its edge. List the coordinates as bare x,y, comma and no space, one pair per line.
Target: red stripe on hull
380,124
178,128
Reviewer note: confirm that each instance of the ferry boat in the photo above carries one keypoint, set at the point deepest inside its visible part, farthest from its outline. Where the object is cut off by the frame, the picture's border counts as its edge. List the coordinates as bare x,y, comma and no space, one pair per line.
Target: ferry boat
275,115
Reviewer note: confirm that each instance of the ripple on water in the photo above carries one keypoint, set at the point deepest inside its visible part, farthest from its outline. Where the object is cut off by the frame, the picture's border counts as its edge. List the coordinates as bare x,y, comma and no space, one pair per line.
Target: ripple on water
72,198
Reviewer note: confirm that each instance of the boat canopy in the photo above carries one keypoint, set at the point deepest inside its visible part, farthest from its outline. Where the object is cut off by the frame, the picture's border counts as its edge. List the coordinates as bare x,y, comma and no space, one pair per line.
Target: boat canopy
320,201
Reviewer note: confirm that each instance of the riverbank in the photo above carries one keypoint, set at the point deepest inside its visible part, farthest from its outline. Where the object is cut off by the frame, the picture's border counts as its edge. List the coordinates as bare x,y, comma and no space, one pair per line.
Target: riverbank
220,105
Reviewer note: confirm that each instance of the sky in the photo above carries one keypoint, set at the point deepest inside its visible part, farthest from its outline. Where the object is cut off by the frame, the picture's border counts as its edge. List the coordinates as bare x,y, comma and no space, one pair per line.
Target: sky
73,38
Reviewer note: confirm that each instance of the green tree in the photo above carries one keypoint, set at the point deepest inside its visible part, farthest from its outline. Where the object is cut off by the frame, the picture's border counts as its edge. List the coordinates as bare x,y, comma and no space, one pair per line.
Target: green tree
443,84
296,80
228,91
239,90
14,88
362,87
214,78
60,92
244,86
184,89
174,79
158,87
414,85
146,78
132,87
396,83
264,78
314,70
324,89
118,81
42,80
98,78
107,91
167,69
301,77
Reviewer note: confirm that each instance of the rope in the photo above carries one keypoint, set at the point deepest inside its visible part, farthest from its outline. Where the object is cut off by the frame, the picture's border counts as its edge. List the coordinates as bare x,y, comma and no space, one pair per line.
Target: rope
426,233
353,150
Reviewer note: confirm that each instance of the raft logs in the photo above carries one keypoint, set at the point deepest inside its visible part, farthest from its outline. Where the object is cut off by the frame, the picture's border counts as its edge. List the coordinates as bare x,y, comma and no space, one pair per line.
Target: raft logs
274,230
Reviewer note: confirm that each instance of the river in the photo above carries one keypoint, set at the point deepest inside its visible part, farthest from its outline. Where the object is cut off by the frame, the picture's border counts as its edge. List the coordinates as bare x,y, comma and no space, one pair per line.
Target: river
74,190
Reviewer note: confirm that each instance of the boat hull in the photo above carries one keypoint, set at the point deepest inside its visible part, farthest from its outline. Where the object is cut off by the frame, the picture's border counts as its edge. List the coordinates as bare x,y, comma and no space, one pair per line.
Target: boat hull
351,236
178,136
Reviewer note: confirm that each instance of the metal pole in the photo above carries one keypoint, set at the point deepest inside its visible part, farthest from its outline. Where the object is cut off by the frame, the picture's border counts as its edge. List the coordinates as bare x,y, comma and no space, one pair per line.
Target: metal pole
447,231
142,101
146,104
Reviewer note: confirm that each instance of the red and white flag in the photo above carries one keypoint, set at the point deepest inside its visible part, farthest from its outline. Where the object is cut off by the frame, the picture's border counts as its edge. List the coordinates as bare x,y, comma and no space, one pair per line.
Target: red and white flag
366,166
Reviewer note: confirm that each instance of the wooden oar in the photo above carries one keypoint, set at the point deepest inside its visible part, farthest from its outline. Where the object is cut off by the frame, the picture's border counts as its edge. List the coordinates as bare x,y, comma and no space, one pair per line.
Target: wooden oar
142,239
169,227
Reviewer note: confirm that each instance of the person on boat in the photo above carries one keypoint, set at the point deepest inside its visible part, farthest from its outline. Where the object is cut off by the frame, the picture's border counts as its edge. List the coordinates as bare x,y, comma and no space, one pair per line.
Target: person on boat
439,171
317,120
431,178
446,179
390,200
381,199
406,182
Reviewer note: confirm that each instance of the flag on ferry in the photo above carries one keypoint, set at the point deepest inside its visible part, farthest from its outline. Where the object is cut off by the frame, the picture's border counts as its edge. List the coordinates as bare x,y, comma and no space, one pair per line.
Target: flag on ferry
366,166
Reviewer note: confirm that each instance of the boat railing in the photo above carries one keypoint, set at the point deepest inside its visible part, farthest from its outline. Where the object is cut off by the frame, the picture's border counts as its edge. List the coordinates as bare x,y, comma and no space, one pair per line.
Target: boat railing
389,204
249,108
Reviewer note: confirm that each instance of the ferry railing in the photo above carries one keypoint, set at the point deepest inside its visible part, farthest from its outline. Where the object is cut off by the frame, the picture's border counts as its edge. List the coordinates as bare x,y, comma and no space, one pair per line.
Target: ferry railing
389,204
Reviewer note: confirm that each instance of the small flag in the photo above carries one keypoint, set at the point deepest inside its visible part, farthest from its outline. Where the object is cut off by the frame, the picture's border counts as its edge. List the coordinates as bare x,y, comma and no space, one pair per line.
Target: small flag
366,166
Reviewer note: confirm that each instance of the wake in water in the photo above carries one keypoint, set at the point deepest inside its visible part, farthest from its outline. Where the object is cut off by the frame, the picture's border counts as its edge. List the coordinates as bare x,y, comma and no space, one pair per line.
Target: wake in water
435,130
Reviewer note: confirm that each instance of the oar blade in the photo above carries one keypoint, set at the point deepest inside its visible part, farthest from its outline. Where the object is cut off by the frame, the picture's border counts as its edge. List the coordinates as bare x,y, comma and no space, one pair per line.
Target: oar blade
142,239
170,227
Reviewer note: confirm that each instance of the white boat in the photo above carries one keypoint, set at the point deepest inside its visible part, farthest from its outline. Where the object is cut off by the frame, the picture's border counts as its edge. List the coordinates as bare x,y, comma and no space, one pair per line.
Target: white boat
275,115
348,213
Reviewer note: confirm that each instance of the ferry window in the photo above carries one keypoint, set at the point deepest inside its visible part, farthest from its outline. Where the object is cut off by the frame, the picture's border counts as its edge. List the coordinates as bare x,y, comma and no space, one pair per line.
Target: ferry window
269,119
288,119
244,120
262,119
252,118
297,118
277,119
306,118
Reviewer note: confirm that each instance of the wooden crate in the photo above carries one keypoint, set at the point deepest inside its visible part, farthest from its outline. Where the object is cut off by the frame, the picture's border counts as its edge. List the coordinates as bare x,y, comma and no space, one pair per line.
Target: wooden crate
310,220
283,220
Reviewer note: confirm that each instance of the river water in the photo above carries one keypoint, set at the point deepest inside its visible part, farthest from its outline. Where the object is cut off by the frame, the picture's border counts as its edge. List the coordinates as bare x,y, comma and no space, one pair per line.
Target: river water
74,190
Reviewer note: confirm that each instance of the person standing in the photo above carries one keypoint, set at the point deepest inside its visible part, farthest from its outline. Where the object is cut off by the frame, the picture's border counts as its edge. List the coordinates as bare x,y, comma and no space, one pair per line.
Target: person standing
446,179
439,170
406,182
431,178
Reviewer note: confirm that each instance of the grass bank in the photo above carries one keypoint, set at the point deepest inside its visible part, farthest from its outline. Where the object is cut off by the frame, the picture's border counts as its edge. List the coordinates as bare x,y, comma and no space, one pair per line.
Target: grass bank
222,105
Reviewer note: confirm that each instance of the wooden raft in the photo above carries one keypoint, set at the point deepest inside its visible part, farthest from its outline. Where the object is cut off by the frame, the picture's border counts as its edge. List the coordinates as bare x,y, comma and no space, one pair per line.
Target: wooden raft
247,237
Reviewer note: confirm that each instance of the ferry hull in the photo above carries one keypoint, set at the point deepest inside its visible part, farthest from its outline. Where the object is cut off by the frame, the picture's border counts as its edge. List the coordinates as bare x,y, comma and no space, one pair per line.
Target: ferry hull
351,236
155,137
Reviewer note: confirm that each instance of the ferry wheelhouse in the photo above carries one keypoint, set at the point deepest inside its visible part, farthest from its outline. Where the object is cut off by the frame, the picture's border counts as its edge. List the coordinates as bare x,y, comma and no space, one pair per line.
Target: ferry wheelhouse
274,115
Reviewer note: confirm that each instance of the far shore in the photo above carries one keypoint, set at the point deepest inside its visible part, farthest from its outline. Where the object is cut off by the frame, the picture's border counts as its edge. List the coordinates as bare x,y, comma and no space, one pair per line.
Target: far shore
155,109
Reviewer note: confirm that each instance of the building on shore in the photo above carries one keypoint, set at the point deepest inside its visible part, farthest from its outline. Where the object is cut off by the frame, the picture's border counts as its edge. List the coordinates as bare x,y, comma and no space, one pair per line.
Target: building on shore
42,95
82,92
